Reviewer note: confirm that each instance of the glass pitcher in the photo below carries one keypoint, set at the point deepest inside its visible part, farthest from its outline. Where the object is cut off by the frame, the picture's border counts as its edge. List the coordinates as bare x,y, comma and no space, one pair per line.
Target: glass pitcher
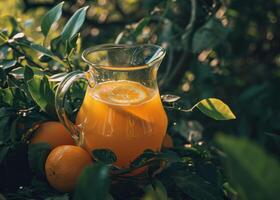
121,110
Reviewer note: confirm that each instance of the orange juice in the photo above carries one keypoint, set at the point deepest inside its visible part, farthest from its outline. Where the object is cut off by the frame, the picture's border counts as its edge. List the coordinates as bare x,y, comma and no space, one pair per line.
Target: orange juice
123,116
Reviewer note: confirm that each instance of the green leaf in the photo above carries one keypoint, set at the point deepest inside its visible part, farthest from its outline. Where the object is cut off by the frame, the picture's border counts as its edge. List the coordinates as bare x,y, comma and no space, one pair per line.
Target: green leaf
37,155
94,183
50,17
105,155
209,35
74,24
215,109
40,90
254,173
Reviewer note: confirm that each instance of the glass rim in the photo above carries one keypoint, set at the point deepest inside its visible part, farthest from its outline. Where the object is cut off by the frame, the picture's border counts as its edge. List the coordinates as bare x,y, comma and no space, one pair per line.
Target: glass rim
127,46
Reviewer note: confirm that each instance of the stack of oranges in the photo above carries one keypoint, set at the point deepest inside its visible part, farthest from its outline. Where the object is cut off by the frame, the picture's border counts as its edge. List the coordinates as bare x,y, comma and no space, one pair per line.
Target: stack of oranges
66,161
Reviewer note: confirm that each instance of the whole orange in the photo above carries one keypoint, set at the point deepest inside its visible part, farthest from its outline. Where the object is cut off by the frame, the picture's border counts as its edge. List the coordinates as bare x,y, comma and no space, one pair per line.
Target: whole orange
167,141
64,165
53,133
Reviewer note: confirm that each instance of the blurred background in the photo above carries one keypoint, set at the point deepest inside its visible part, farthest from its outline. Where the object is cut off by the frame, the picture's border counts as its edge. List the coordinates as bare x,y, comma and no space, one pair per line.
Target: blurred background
226,49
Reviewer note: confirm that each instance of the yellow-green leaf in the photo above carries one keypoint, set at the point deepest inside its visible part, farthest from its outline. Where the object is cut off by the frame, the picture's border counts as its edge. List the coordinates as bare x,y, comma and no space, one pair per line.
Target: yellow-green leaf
215,108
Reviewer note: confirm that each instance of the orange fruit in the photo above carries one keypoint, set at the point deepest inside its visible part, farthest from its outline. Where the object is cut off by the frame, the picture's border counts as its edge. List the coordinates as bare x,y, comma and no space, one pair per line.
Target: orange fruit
64,165
167,141
53,133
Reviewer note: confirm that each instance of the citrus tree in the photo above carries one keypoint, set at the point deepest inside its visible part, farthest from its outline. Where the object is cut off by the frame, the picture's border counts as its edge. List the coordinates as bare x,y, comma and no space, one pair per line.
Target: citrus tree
187,167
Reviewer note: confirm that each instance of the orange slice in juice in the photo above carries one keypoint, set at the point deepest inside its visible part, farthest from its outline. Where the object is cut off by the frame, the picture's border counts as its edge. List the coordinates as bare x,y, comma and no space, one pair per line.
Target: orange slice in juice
122,93
124,96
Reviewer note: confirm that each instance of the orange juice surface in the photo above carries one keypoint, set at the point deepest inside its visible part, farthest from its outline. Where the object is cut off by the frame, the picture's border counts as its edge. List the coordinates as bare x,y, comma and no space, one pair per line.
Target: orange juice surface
123,116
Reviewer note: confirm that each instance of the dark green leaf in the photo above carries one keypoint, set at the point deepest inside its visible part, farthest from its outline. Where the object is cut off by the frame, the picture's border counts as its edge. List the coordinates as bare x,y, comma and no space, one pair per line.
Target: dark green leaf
169,156
209,172
231,192
63,197
41,49
156,191
275,137
5,127
8,64
40,90
36,47
105,155
215,109
209,35
254,173
55,44
50,17
72,44
3,77
3,152
13,130
17,73
74,24
143,158
6,96
45,59
37,155
94,183
197,188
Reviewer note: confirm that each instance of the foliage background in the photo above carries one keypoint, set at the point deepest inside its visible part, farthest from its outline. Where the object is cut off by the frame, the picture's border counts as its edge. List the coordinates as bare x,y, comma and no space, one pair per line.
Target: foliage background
240,64
243,70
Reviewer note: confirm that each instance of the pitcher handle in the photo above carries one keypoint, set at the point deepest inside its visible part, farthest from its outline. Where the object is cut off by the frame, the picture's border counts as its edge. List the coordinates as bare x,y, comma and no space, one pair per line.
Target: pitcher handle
61,91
